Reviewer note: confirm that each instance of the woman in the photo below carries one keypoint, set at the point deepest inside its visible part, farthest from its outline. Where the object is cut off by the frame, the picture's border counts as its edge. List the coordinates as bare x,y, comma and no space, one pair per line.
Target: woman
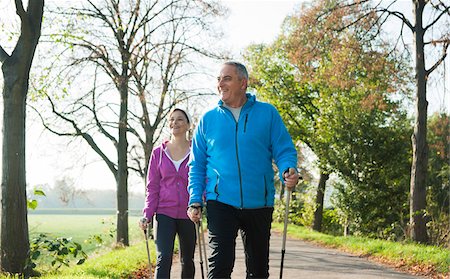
167,198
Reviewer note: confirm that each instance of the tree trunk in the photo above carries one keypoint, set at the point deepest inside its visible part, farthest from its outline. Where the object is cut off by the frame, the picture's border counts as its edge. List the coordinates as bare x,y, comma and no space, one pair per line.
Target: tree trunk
122,167
419,138
14,237
346,227
14,228
318,213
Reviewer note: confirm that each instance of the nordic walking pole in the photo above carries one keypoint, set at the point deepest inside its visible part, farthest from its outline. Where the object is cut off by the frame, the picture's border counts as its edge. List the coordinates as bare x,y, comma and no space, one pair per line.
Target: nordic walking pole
148,255
283,245
148,250
204,245
199,245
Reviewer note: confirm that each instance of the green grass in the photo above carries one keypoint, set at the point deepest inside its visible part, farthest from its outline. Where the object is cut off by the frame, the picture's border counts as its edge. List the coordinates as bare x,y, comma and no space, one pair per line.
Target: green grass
408,254
118,263
81,227
104,262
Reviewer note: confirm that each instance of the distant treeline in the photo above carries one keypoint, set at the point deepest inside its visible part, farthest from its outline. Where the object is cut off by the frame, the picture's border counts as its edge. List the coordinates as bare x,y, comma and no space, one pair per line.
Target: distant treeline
83,211
65,199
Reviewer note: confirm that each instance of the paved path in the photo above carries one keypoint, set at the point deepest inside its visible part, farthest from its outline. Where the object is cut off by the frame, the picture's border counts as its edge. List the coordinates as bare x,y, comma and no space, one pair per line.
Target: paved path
306,260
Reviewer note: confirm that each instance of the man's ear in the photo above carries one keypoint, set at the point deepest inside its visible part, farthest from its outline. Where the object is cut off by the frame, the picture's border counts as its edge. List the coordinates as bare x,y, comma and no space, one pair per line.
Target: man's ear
244,83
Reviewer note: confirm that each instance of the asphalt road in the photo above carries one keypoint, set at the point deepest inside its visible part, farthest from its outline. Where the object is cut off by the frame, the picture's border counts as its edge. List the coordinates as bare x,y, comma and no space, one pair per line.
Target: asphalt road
306,260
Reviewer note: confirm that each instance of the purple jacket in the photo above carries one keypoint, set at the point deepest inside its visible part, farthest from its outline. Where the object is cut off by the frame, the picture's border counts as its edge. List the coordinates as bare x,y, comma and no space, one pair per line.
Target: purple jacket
166,187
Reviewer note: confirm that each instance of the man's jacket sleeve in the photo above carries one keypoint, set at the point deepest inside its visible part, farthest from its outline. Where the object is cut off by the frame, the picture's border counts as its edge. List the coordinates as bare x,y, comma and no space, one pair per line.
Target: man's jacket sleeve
284,152
197,171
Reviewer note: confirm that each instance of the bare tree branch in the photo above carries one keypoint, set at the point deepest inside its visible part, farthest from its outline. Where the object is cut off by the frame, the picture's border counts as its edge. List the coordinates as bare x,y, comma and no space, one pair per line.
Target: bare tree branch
20,10
78,132
445,11
441,59
399,16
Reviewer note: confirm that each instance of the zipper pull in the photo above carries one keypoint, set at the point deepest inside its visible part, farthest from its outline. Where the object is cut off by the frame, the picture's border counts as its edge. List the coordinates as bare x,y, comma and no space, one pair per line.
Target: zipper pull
245,123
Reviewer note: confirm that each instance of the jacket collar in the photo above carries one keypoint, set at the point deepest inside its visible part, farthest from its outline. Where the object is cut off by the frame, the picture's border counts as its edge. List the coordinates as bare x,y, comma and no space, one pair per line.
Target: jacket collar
251,100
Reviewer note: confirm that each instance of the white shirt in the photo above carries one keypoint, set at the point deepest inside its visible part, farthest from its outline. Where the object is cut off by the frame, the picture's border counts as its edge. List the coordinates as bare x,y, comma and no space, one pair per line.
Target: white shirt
176,163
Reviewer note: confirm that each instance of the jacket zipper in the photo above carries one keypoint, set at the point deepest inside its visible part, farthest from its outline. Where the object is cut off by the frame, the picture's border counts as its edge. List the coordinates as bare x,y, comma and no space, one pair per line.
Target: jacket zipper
245,123
239,165
237,154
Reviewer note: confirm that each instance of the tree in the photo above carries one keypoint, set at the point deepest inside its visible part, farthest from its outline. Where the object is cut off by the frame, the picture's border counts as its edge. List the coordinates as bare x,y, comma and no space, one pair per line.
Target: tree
368,148
16,70
427,36
334,90
275,80
67,193
137,70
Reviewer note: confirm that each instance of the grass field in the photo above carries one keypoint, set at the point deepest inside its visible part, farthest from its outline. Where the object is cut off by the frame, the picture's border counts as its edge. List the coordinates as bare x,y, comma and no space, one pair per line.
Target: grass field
81,227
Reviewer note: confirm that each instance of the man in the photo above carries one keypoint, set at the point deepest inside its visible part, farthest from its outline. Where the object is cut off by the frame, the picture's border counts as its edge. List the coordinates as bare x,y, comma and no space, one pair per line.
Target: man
232,152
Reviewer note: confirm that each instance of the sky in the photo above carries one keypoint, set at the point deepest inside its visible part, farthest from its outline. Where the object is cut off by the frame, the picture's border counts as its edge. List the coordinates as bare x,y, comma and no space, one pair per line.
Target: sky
255,21
250,21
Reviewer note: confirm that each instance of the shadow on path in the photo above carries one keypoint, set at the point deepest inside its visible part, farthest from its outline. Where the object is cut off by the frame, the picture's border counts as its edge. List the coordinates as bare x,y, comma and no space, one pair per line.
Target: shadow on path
306,260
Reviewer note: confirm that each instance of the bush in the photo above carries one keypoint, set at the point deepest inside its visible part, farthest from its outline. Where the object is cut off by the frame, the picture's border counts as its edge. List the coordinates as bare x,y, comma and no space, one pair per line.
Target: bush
330,222
439,230
58,249
295,210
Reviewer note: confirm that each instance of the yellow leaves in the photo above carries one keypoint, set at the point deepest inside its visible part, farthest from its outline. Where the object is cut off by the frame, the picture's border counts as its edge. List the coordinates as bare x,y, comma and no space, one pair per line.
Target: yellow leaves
374,101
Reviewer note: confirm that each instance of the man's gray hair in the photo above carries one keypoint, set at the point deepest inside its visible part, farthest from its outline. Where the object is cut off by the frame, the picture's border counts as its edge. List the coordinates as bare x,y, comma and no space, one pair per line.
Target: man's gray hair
240,69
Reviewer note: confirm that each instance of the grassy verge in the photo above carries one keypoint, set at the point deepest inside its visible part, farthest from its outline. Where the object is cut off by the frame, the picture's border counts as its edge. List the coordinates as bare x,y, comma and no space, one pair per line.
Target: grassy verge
116,264
422,259
119,263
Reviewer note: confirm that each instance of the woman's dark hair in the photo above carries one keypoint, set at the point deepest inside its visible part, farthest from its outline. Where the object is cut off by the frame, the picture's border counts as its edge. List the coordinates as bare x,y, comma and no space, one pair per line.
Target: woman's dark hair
184,112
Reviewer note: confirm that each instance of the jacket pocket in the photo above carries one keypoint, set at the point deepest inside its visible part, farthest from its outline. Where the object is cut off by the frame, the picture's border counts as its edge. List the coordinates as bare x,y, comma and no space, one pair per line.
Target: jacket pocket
269,190
266,191
212,186
216,188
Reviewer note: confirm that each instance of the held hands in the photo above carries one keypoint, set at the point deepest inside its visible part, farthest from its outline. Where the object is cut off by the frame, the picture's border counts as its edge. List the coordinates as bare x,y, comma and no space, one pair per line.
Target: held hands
143,223
194,212
290,178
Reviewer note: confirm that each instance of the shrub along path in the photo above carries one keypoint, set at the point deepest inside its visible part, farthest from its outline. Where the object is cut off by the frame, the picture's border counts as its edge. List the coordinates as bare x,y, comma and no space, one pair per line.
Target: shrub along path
304,260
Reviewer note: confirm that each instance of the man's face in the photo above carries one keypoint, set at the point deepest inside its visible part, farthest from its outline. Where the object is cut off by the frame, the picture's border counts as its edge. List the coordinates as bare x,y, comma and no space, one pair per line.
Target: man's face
231,88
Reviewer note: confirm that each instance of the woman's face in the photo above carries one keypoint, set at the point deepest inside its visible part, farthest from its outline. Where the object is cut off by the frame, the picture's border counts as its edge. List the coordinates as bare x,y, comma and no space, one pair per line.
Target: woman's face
178,123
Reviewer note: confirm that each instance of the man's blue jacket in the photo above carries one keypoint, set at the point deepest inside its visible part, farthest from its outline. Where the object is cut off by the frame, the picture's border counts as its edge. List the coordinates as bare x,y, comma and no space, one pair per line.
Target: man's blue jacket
232,160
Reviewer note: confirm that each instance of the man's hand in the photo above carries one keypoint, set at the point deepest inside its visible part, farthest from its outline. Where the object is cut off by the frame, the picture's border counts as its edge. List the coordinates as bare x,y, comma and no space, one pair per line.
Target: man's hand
194,212
290,178
143,223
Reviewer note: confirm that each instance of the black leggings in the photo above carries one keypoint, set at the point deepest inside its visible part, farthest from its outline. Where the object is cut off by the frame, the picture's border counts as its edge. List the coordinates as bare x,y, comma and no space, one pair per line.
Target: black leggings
166,229
224,221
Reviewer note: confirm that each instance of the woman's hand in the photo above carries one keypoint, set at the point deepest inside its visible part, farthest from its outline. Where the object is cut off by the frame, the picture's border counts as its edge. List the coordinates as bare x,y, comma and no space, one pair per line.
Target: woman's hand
143,223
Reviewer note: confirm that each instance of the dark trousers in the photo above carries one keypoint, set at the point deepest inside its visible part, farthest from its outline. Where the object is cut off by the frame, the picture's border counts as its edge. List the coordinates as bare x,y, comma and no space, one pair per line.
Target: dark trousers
224,221
166,229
